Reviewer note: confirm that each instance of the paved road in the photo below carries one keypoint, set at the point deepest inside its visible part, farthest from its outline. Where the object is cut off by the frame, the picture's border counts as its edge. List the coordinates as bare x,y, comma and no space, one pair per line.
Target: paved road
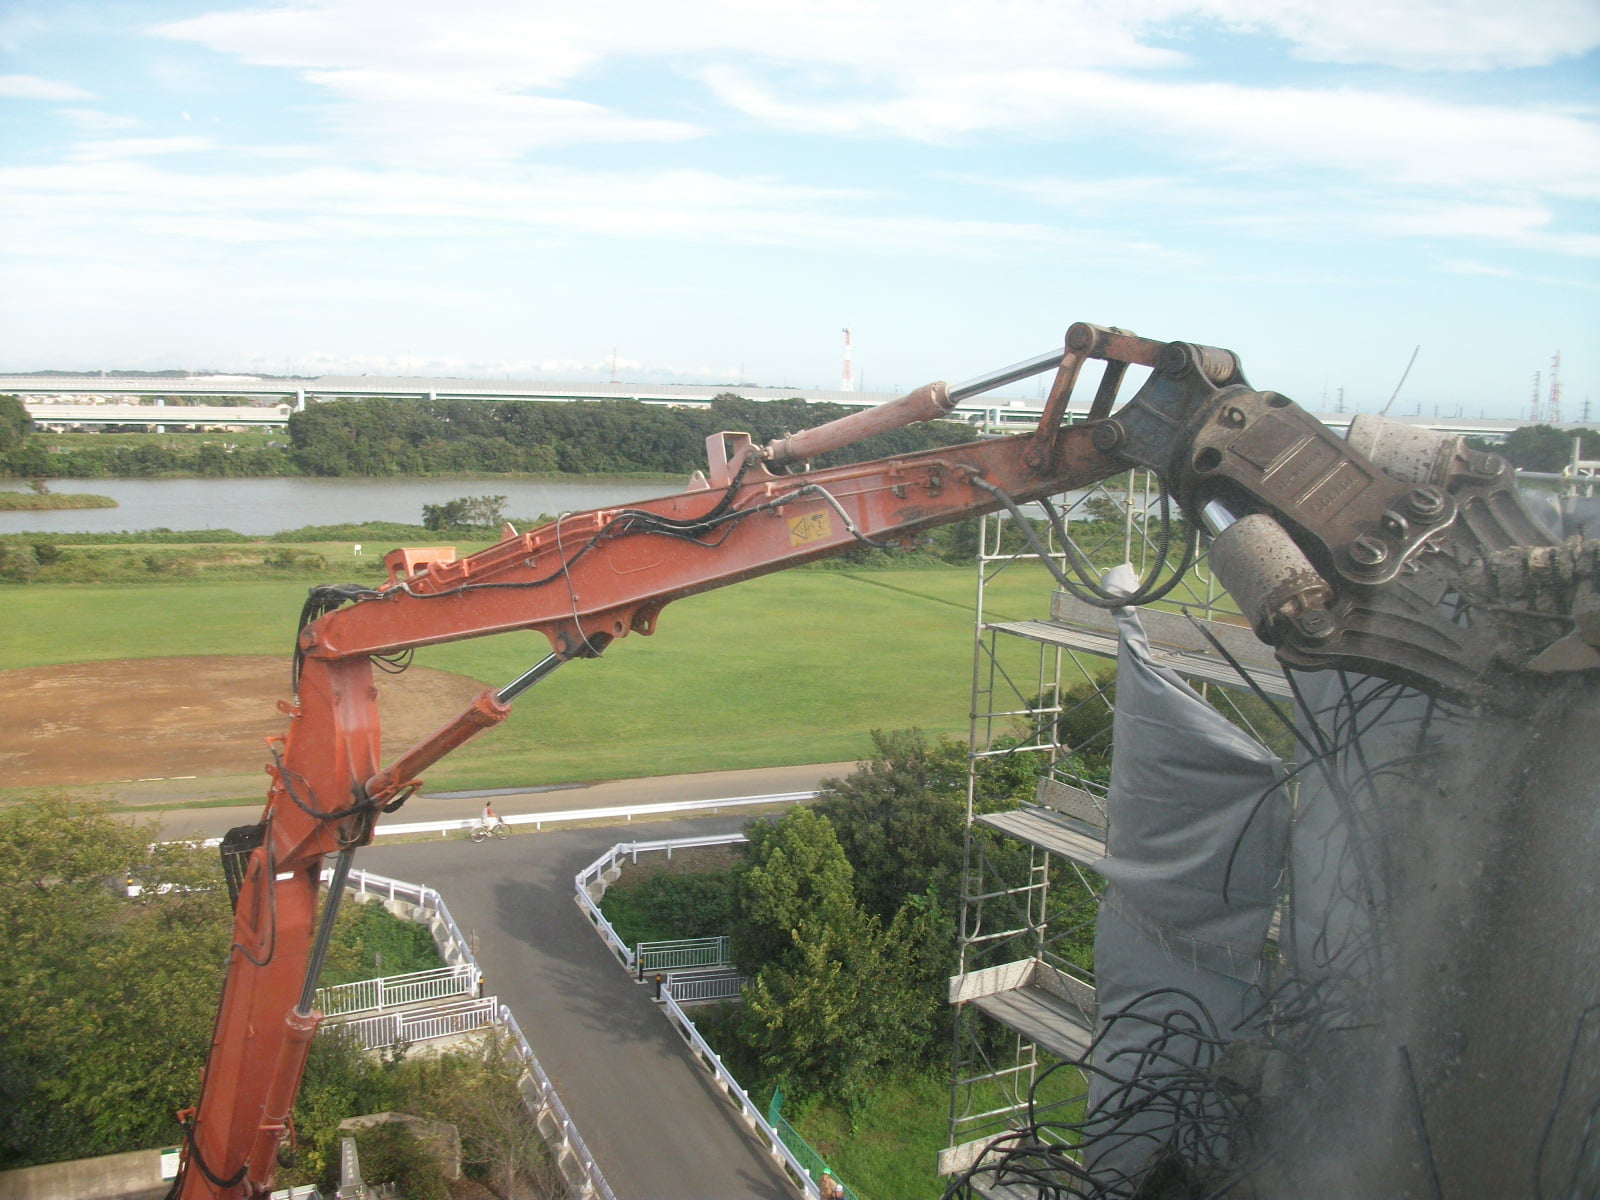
711,785
653,1122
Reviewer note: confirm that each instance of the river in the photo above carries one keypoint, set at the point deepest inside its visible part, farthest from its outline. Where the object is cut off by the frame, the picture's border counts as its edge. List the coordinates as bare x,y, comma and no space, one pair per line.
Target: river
265,506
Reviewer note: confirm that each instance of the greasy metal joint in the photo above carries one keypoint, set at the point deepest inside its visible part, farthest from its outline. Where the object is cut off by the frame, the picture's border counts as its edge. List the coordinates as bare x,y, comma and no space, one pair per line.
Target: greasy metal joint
1316,625
1088,340
1108,436
1427,504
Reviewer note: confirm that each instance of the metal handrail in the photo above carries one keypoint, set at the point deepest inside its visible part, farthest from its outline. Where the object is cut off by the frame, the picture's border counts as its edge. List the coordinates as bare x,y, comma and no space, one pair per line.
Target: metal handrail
682,954
547,1094
419,1025
540,820
722,985
392,991
747,1108
591,880
626,812
370,883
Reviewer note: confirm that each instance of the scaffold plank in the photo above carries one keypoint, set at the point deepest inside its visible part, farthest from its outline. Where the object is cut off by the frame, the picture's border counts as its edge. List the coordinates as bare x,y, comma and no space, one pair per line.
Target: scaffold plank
1049,832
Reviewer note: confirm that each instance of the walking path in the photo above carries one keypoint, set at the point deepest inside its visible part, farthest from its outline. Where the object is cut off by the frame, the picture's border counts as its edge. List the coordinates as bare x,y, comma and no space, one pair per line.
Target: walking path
710,785
655,1124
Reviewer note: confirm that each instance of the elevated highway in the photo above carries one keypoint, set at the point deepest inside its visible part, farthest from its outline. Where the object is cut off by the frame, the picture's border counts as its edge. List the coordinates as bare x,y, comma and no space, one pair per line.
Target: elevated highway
96,401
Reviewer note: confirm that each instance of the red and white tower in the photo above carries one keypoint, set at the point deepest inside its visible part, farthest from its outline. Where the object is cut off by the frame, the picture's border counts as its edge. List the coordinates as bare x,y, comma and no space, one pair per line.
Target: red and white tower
848,382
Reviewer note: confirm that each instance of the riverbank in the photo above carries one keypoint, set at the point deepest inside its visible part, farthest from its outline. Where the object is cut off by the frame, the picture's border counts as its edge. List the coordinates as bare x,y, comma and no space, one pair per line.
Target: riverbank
351,551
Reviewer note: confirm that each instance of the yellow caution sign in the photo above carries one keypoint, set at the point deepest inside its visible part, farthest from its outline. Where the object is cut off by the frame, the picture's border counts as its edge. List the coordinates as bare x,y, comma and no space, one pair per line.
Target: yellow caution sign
812,527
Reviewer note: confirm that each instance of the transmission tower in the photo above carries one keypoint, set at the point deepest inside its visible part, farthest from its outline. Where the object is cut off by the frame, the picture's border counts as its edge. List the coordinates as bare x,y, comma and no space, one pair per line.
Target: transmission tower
1533,404
1555,389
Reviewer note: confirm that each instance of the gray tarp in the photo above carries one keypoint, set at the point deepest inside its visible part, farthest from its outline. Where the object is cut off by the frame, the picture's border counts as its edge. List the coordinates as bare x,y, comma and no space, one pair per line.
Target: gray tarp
1196,850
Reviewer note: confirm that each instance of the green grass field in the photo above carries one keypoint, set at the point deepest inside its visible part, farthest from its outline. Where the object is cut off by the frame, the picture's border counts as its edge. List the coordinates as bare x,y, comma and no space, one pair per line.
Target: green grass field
792,668
890,1147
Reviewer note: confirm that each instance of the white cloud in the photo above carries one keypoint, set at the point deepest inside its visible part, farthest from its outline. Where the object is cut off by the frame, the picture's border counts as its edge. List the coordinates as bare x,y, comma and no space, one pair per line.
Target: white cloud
124,185
475,145
394,117
1385,135
1458,35
112,148
398,72
1462,266
95,121
1526,226
31,87
495,80
1388,136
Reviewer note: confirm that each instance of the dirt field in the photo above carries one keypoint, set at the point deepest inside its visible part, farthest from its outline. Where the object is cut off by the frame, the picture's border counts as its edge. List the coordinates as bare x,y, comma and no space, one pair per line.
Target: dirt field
173,718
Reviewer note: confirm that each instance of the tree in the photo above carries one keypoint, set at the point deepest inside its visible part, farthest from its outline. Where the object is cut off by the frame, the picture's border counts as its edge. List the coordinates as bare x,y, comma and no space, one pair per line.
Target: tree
15,426
1546,448
809,1015
835,999
478,1093
341,1080
106,1001
465,512
21,453
900,820
391,1154
795,873
1101,507
806,944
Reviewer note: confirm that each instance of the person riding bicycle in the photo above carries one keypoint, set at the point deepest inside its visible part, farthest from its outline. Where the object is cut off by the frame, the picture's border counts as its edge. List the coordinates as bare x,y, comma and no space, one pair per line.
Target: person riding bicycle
490,817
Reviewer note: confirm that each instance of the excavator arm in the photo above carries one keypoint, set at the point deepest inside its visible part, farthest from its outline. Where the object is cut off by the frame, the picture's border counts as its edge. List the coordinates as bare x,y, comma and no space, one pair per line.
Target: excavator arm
584,580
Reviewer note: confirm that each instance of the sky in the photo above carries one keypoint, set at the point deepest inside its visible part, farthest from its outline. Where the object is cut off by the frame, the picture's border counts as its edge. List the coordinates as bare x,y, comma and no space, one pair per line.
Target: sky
712,191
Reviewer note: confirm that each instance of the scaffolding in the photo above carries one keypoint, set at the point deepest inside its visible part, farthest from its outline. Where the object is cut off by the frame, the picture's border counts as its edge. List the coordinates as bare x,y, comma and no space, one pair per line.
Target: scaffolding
1042,697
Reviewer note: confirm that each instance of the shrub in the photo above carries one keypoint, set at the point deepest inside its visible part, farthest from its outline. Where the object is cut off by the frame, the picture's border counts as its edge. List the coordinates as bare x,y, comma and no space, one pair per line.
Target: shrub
18,563
391,1153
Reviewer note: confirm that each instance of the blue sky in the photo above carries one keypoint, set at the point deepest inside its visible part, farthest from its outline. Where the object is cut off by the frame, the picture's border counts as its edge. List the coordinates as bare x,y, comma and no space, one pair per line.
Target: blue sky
712,190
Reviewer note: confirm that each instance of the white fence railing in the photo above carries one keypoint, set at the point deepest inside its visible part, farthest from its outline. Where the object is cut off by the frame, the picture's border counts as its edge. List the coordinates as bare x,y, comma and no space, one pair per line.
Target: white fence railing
430,910
591,882
407,1026
624,812
590,885
556,1127
716,985
680,955
571,1155
540,820
395,991
752,1115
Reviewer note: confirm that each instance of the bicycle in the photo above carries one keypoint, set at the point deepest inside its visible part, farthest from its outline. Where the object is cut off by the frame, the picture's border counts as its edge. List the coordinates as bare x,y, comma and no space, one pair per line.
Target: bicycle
482,831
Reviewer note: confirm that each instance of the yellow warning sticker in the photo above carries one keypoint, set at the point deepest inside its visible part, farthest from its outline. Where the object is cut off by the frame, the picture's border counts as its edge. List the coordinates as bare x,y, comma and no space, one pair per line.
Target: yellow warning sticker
811,527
